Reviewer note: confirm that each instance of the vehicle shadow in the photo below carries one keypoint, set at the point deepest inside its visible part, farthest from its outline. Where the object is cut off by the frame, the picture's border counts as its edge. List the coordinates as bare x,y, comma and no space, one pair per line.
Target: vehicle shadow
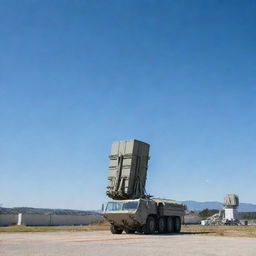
176,234
191,233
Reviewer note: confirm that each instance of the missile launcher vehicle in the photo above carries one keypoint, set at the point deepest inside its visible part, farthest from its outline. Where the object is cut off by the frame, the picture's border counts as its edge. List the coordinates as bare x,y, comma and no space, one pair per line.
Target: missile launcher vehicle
131,209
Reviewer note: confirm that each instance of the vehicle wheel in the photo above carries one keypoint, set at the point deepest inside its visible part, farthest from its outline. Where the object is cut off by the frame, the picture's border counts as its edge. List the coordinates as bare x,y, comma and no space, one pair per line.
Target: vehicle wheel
162,225
150,226
115,230
170,225
177,224
129,231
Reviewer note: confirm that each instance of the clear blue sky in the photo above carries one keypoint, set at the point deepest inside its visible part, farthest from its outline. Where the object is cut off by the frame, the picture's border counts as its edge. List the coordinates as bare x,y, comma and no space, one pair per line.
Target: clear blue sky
77,75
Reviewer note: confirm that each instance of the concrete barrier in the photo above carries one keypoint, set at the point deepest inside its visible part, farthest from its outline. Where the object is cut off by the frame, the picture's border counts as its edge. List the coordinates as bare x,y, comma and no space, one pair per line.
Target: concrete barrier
36,220
74,220
48,220
58,220
192,219
249,222
8,219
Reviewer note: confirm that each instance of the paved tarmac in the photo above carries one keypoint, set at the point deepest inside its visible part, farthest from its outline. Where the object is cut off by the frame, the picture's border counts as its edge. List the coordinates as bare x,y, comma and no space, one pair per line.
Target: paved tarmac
105,244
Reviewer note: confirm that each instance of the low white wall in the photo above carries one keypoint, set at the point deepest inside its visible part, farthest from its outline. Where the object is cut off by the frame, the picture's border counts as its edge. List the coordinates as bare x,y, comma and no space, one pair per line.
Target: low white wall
48,220
8,219
56,220
249,222
192,219
36,220
74,220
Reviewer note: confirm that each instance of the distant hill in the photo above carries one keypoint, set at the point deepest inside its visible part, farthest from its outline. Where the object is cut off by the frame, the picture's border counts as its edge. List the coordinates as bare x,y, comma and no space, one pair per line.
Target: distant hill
244,207
199,206
29,210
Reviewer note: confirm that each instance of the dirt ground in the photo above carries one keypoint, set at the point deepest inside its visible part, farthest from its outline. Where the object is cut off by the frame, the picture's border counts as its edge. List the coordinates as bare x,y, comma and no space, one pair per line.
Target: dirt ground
99,243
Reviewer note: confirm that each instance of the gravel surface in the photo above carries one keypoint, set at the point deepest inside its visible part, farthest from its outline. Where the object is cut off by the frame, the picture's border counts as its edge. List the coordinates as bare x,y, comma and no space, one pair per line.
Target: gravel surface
103,243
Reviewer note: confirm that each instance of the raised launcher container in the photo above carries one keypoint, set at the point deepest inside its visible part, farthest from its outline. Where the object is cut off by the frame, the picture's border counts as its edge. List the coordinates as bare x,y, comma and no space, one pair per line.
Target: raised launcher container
127,169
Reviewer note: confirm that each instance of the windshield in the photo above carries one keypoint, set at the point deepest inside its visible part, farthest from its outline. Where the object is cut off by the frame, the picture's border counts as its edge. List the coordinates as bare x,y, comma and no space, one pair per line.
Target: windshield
119,206
114,206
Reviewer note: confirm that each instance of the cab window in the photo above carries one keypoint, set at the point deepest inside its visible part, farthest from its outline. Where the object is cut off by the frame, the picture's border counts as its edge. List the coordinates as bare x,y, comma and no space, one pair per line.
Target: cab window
130,205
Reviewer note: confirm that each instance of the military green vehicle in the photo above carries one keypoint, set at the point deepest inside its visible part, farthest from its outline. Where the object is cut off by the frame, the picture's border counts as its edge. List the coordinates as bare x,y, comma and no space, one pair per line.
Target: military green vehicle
133,210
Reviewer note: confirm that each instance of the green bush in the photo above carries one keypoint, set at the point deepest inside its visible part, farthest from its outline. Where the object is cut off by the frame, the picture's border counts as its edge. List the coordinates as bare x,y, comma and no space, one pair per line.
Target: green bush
207,212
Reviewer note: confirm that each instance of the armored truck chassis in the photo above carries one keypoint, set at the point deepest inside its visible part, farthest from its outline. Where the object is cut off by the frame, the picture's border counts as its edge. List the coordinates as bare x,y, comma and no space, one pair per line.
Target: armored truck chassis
144,215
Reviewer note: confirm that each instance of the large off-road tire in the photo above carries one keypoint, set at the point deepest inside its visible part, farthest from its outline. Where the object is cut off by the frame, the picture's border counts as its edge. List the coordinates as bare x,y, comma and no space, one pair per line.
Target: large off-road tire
115,230
129,231
150,226
170,224
177,224
162,225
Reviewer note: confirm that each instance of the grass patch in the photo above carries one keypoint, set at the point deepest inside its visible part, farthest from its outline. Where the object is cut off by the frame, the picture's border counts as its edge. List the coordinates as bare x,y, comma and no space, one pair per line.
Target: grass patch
234,231
239,231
